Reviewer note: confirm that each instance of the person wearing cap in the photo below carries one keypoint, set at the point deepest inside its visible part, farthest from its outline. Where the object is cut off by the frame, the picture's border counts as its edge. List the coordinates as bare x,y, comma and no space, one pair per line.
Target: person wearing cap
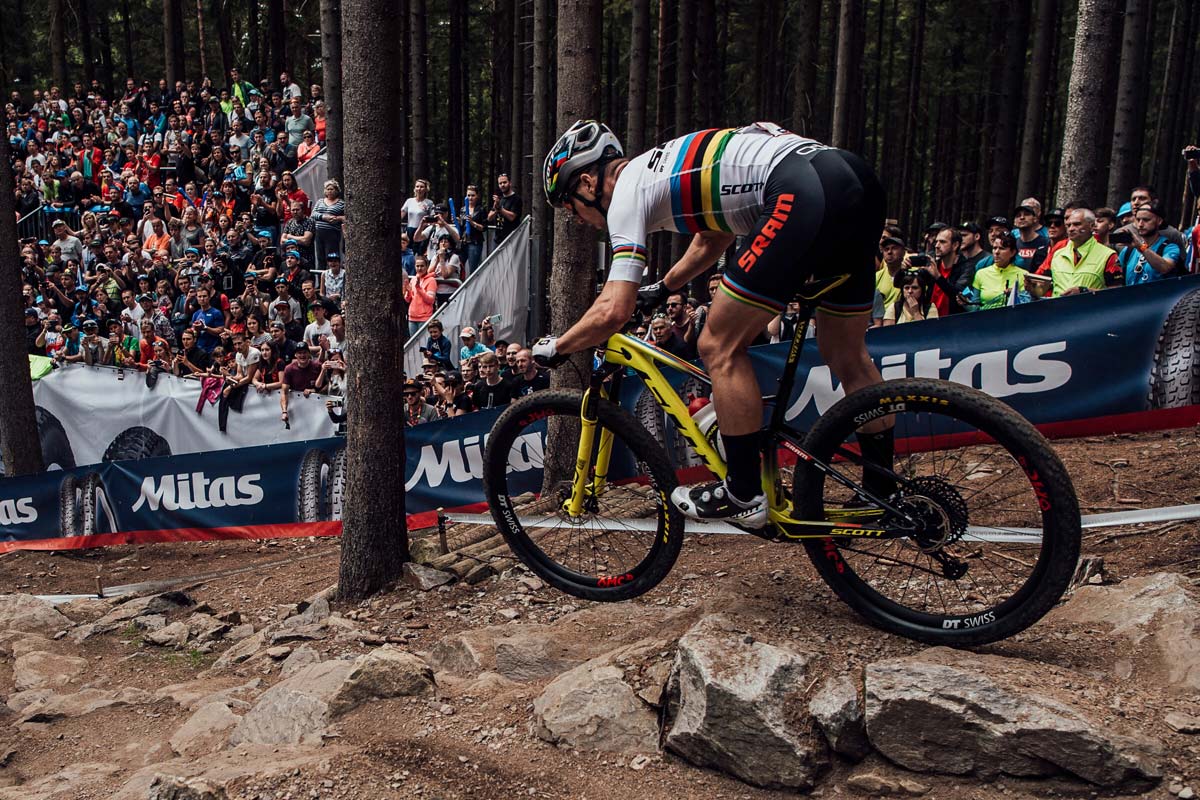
298,376
971,251
286,347
294,328
1031,245
931,233
35,333
470,347
92,346
416,410
319,329
294,270
208,321
1125,214
84,307
1036,205
1056,224
333,279
152,313
1152,255
72,342
283,294
67,243
890,268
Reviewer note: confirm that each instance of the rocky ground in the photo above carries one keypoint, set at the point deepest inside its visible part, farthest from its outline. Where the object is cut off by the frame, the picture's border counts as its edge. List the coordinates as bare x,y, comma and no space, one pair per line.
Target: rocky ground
741,676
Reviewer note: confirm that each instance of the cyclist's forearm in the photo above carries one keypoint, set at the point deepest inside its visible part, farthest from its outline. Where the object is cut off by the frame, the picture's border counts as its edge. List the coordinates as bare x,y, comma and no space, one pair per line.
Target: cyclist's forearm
701,254
612,309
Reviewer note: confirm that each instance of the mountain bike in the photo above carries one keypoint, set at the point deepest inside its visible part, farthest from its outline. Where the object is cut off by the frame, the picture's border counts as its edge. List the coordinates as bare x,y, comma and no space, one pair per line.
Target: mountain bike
978,541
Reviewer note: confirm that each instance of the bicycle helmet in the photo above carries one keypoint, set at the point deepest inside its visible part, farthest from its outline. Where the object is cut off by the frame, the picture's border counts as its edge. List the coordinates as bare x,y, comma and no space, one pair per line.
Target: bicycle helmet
585,143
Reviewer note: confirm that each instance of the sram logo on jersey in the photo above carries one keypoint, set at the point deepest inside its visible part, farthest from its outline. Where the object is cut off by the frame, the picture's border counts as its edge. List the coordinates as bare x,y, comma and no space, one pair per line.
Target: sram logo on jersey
186,492
17,511
740,188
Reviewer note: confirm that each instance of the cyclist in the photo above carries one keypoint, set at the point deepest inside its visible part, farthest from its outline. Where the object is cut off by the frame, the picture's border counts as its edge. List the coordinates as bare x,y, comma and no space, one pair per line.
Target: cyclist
803,208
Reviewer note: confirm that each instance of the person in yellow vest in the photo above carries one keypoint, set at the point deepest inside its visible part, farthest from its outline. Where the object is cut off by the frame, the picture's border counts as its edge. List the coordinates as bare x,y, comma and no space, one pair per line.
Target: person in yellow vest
994,283
1083,264
887,275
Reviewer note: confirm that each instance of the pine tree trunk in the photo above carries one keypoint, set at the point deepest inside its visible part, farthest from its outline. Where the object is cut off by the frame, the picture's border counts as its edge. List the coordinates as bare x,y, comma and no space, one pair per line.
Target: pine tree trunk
1038,99
908,155
201,37
456,169
664,106
709,105
543,138
58,44
1083,172
374,530
20,445
639,71
685,48
277,35
516,150
1129,127
1170,95
257,57
418,88
106,58
224,36
805,87
573,275
178,46
168,34
331,82
84,12
1004,134
846,85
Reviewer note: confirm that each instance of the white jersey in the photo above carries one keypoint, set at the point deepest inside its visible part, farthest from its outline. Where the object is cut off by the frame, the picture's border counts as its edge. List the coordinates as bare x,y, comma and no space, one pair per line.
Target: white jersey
712,180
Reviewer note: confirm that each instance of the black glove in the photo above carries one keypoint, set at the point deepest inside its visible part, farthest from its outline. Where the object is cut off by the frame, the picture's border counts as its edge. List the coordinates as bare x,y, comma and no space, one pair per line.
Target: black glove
652,296
545,353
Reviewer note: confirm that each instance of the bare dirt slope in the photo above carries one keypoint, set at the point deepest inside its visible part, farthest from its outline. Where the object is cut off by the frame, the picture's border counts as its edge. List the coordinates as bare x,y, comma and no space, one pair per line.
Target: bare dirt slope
471,737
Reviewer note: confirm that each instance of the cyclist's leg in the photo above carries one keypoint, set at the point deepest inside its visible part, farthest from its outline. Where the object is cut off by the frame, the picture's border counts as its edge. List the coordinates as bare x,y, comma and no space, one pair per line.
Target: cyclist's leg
755,288
848,243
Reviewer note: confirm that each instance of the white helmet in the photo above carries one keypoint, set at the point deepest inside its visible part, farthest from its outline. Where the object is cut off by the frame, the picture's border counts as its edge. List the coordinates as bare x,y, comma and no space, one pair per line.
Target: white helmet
585,143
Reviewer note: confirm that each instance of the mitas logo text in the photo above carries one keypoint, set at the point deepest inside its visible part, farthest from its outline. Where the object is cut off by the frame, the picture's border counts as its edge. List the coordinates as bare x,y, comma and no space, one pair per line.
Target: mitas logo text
17,511
187,492
462,460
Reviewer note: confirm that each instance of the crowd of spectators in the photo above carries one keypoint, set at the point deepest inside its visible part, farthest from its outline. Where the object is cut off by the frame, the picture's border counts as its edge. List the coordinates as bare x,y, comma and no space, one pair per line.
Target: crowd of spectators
164,230
1028,257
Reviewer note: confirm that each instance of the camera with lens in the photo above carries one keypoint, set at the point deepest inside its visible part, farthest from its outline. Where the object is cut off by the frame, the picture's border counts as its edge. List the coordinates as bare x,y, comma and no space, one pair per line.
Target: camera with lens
1121,237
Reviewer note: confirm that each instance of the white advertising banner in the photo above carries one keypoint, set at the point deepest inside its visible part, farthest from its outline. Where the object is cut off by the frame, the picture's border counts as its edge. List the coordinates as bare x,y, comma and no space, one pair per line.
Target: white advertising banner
95,414
498,289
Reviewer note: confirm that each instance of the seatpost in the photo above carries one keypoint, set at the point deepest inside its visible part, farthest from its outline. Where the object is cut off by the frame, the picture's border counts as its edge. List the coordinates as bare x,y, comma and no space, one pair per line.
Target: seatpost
787,379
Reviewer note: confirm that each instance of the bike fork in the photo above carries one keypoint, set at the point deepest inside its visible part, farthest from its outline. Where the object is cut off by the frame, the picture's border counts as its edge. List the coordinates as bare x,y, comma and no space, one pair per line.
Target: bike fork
591,463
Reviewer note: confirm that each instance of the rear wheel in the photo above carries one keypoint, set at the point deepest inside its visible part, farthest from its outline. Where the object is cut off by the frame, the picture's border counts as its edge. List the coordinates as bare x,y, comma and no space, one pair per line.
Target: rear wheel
1000,522
628,536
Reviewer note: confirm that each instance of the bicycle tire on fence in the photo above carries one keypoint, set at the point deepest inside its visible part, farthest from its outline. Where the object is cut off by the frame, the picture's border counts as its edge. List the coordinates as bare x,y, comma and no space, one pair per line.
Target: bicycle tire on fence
662,546
1016,438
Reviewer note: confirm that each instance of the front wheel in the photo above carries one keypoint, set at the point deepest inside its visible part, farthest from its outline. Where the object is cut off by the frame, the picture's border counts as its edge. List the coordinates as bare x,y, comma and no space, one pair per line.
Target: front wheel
1000,528
628,536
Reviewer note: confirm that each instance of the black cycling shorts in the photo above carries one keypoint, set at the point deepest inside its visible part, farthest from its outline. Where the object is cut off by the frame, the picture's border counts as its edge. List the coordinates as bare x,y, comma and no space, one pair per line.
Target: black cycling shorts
821,217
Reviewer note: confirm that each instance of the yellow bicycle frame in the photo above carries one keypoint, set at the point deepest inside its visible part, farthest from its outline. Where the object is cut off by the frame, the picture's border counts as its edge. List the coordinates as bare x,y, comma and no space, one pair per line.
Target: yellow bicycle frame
591,469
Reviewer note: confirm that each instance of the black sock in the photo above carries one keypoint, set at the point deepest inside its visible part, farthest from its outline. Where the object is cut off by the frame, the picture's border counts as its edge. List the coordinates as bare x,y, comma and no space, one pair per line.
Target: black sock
744,478
878,448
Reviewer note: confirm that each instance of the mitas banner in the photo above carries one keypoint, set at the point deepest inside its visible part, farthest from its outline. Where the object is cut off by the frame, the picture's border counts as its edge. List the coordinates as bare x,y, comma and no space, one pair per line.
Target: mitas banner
1111,361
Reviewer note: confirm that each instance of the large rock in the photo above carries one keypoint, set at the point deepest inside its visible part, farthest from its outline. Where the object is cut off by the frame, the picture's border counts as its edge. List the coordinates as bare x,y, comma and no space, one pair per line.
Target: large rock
964,714
295,710
592,707
42,670
518,652
384,672
71,781
205,732
126,612
1159,613
424,578
736,705
194,694
57,706
173,635
838,710
225,773
24,612
171,787
533,655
